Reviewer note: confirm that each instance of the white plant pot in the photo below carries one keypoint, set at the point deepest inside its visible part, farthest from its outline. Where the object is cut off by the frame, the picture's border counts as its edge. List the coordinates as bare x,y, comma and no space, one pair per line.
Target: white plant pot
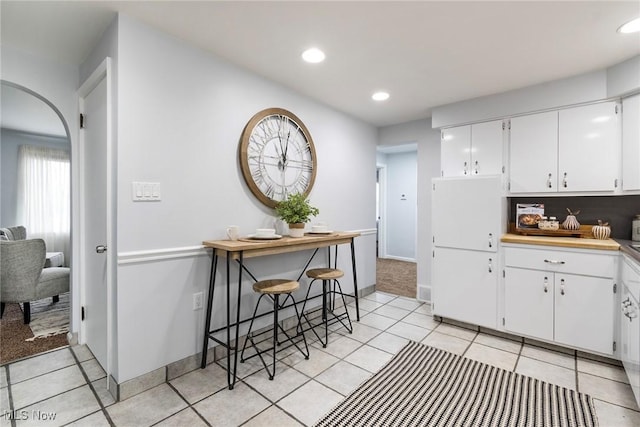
296,230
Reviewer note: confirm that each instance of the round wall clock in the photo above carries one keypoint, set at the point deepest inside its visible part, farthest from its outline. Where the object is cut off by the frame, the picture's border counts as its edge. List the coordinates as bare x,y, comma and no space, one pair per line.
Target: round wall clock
277,156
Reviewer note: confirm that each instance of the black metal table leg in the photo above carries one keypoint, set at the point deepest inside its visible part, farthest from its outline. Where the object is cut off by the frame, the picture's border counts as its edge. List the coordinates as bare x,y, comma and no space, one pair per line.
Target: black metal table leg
355,278
235,348
207,319
228,325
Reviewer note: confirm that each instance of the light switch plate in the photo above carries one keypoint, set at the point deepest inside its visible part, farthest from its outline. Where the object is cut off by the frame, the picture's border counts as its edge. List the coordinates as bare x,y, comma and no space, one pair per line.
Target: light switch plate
145,191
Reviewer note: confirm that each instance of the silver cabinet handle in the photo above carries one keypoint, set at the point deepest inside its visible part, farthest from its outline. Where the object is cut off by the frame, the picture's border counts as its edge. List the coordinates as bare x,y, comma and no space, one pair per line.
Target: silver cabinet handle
465,168
490,240
101,249
564,180
561,286
477,167
553,261
546,285
490,266
549,182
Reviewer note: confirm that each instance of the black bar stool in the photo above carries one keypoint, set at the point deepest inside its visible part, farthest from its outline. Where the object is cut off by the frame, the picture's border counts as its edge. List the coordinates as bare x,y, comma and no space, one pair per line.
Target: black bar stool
273,289
328,276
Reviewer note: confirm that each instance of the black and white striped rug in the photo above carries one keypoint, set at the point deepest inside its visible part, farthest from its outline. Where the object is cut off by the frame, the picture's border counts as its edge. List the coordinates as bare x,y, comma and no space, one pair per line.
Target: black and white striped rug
425,386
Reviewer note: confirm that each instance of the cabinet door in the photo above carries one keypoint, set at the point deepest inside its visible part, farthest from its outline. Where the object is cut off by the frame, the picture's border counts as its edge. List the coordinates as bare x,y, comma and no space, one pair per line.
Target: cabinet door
533,160
486,148
588,148
584,312
528,302
455,151
467,213
465,286
631,143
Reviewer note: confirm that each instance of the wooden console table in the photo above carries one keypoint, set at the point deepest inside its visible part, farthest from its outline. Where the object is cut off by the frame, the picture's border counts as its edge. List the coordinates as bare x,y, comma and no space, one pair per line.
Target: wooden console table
241,249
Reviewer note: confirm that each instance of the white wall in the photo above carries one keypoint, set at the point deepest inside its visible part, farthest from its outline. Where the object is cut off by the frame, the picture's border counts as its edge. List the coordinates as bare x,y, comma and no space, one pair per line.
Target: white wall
401,205
180,115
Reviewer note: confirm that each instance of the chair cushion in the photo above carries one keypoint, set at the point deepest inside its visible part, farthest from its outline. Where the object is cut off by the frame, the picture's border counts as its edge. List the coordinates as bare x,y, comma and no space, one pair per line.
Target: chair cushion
54,259
53,281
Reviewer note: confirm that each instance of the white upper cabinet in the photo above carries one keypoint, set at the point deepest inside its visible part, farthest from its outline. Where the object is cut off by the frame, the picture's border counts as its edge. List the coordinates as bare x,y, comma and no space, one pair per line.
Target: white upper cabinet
588,148
455,151
533,162
472,150
631,143
571,150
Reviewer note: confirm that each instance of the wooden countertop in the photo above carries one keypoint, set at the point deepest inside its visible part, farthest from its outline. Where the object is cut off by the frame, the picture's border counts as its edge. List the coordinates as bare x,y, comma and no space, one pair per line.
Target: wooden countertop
253,248
567,242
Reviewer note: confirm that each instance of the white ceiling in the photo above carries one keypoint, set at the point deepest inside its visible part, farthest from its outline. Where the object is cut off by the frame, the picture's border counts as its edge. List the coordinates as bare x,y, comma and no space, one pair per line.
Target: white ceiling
424,53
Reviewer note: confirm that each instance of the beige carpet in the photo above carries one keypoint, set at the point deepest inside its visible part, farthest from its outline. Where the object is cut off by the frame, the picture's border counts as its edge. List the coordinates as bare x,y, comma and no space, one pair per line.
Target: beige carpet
396,277
16,338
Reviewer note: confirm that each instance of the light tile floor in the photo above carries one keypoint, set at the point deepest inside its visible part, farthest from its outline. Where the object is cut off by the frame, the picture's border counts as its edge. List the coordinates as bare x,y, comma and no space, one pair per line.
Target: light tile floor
67,386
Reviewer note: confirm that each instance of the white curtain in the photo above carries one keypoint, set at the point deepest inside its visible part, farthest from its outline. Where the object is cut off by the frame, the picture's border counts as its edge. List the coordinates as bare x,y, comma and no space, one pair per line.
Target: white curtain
44,187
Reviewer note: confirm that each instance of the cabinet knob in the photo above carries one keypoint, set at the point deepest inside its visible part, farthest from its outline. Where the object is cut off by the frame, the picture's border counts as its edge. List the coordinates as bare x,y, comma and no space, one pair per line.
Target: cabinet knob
553,261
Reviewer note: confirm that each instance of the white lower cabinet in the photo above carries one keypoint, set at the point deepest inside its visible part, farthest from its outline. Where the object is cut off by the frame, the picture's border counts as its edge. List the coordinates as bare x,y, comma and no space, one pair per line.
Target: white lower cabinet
465,285
547,296
630,324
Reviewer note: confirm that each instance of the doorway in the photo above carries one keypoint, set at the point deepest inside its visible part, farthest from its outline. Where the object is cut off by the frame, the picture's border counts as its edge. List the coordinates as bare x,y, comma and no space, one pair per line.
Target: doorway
396,219
35,151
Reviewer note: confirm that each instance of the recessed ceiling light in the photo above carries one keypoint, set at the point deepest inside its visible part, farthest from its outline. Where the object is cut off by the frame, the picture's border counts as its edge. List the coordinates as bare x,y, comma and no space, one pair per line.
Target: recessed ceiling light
632,26
380,96
313,55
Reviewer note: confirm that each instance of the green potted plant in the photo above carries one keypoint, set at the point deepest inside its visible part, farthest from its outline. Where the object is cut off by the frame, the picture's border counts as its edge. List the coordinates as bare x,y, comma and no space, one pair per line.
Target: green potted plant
295,211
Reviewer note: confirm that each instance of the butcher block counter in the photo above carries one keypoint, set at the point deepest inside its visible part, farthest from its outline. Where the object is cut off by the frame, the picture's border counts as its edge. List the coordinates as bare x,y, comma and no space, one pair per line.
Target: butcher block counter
567,242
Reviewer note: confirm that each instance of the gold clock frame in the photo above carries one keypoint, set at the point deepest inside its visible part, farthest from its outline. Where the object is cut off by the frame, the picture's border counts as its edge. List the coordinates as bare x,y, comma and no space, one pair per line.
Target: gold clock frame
244,150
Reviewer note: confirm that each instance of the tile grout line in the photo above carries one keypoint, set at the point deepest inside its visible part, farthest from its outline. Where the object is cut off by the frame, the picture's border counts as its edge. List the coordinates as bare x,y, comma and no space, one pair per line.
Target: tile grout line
9,392
91,387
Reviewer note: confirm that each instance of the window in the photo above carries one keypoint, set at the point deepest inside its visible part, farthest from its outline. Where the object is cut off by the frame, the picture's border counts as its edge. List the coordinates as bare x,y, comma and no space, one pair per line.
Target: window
44,187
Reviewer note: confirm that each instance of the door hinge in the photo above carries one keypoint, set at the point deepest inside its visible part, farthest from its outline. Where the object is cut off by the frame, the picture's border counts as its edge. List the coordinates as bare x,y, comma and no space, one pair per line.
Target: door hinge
615,288
433,254
614,346
82,117
615,183
82,313
617,108
434,239
504,125
503,169
503,274
509,186
503,321
434,186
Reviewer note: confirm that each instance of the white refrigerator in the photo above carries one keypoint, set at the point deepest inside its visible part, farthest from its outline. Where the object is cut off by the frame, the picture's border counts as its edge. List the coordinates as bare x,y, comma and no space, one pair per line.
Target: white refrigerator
468,219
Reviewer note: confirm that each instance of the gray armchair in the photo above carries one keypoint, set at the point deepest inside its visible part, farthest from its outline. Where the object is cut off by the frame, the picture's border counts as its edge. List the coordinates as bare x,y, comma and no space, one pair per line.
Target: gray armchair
23,278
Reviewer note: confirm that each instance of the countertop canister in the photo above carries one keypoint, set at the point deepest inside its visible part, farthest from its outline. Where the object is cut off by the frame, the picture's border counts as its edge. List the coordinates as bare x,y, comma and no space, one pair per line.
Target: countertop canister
635,229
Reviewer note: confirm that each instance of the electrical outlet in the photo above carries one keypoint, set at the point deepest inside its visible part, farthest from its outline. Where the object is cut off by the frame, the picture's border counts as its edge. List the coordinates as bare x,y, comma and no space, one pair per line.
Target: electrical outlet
197,300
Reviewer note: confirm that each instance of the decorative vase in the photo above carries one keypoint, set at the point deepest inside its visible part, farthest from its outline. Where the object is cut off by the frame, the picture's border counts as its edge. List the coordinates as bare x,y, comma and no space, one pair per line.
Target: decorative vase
601,231
296,230
571,223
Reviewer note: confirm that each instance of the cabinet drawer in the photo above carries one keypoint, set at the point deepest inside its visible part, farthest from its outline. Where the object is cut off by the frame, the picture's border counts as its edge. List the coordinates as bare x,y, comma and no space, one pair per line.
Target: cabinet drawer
587,264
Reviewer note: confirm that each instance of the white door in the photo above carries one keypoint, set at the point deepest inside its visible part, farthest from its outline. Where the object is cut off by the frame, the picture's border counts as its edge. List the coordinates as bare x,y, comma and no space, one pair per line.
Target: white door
584,312
533,157
486,148
631,143
465,285
588,148
528,302
455,155
467,212
94,219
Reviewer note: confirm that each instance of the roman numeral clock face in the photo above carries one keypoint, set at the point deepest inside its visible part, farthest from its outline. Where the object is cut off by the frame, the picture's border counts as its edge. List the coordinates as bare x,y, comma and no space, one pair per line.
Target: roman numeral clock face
277,156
